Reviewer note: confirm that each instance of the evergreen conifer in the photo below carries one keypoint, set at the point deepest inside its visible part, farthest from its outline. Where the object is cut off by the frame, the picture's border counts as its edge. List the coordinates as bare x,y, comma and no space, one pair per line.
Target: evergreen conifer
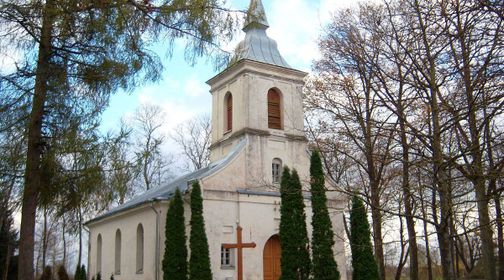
47,273
324,265
80,273
295,264
77,275
175,256
62,273
83,272
363,262
8,238
199,261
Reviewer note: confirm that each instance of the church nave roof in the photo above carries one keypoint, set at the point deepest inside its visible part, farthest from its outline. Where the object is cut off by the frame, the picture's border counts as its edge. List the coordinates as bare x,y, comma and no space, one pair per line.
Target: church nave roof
182,183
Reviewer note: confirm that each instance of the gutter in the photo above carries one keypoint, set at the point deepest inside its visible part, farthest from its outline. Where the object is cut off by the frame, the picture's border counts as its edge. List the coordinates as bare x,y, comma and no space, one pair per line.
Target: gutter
156,257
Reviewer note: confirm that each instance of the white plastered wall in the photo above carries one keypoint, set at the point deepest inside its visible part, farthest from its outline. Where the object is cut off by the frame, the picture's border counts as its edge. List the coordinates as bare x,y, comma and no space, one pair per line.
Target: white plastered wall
127,222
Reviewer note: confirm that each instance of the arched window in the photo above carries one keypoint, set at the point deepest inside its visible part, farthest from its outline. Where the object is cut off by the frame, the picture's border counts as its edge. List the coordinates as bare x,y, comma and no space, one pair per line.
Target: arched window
276,170
140,249
229,112
98,253
274,110
118,252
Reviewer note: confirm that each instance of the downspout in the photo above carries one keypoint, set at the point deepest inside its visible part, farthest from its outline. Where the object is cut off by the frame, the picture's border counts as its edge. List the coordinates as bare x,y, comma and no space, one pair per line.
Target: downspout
157,237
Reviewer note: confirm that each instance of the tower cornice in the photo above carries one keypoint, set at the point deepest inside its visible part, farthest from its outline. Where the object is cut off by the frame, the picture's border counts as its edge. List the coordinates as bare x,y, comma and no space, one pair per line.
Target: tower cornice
259,68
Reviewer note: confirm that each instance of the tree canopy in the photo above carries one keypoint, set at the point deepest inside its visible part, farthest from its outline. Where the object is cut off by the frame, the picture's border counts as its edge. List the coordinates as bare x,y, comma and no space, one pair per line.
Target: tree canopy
73,55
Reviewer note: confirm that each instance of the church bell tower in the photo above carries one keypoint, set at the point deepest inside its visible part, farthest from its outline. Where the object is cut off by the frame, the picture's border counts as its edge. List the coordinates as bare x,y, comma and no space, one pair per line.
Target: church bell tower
258,97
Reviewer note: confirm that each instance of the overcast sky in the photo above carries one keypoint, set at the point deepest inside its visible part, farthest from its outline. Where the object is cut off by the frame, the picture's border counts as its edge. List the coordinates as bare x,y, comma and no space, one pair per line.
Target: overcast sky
183,93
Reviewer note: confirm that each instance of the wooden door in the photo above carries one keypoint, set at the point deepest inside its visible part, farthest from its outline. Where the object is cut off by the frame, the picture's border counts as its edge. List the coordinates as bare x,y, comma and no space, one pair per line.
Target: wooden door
271,259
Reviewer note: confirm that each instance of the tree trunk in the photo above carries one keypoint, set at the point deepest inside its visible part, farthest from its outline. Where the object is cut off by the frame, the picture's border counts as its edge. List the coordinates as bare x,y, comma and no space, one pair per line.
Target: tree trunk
487,246
7,261
34,147
366,124
476,166
443,232
440,177
44,240
377,230
426,237
408,200
500,236
404,255
64,240
79,259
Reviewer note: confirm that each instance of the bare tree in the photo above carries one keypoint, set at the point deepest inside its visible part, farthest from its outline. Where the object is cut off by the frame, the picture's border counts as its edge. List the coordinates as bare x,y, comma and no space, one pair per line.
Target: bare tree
475,99
153,164
419,82
343,91
194,137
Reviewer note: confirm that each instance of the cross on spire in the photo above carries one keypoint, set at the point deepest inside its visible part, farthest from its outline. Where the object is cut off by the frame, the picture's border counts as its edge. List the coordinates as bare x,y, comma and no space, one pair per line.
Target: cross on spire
256,16
239,245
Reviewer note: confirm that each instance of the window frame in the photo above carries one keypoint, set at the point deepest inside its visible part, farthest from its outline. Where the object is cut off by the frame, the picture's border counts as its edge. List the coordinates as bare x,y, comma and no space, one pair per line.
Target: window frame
276,177
228,112
118,252
227,258
140,249
99,252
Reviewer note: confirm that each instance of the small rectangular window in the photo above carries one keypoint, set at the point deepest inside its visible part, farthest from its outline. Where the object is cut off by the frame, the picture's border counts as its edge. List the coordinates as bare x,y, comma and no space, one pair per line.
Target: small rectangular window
275,170
227,257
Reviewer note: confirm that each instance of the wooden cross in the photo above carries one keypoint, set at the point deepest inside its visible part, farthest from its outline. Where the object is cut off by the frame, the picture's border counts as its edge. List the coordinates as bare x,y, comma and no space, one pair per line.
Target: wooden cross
239,245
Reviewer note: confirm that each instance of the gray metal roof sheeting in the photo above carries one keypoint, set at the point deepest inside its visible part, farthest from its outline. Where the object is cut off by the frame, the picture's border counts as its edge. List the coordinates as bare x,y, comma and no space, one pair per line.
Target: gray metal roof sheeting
167,191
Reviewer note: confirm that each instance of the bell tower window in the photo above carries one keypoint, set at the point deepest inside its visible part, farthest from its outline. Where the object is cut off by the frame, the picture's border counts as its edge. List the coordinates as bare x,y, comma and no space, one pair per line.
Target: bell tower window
276,168
228,114
274,110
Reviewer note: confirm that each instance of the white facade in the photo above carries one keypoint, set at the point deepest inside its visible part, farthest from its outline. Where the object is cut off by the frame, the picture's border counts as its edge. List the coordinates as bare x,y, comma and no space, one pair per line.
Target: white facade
238,187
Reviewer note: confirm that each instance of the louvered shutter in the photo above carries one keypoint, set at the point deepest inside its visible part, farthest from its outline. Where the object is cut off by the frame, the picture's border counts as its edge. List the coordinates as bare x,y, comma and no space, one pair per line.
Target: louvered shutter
274,114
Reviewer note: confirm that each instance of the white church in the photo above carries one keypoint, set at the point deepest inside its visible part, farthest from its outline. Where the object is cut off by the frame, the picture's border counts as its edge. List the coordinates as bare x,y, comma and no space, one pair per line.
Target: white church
257,121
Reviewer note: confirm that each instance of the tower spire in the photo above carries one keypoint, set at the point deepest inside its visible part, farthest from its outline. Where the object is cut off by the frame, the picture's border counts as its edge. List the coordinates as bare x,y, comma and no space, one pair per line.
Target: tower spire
257,46
256,16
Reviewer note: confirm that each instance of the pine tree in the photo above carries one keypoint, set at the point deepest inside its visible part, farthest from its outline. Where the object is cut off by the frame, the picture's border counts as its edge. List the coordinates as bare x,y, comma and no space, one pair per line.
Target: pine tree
295,257
83,272
47,273
62,273
199,262
363,262
175,256
324,265
80,273
77,275
8,240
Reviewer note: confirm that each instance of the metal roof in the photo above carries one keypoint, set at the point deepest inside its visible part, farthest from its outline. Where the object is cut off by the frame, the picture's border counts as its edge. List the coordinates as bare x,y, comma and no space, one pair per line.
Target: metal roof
257,45
181,183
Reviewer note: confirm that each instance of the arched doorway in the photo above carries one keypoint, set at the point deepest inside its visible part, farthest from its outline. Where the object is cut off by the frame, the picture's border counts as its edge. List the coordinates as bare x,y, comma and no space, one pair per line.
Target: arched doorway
271,258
